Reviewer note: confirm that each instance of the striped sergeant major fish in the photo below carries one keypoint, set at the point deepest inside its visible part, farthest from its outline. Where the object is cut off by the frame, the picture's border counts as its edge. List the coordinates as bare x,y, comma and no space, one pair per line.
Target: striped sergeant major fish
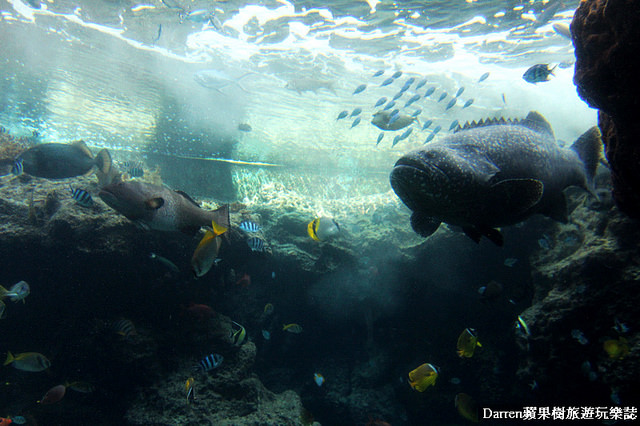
209,362
249,226
81,196
256,244
124,328
18,168
135,169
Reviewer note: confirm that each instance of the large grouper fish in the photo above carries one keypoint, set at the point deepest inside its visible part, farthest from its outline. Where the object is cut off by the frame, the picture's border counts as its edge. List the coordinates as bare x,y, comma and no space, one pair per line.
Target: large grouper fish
494,173
160,208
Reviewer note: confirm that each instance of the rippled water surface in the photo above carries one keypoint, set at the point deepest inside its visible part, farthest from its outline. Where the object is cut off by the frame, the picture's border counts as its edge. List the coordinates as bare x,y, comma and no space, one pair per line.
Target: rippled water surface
124,74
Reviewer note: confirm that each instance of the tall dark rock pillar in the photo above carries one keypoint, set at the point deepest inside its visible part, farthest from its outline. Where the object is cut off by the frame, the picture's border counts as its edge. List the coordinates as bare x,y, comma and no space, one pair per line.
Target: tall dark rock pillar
606,36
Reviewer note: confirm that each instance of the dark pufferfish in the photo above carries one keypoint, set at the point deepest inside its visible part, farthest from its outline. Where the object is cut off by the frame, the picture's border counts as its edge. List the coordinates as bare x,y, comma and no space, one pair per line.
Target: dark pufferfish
493,173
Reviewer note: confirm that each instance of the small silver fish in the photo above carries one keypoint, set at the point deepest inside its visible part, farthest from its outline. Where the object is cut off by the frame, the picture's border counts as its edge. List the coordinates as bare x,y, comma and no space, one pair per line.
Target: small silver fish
451,103
387,82
360,89
388,106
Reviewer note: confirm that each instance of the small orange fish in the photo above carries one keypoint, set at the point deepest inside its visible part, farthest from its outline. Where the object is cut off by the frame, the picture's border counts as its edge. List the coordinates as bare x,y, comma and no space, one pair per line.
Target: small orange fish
5,422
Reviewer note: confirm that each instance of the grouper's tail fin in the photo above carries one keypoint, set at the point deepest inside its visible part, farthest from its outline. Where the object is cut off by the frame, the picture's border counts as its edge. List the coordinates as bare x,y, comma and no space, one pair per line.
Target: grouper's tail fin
589,148
221,216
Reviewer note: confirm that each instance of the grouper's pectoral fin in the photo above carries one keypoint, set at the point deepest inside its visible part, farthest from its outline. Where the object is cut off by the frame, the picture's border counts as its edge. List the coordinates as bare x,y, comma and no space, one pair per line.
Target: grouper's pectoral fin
477,232
516,195
423,225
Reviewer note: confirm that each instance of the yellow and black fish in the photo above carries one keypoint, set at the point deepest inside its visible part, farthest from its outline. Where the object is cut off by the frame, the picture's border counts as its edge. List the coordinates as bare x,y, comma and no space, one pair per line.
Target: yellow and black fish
467,342
423,377
323,228
189,387
238,336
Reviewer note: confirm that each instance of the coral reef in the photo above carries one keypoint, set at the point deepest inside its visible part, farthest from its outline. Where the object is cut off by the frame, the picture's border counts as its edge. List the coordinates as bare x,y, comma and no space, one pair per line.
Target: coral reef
607,38
585,285
373,303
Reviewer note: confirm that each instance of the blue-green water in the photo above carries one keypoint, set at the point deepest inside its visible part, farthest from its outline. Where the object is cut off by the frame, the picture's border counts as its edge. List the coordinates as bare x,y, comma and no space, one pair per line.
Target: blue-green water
259,130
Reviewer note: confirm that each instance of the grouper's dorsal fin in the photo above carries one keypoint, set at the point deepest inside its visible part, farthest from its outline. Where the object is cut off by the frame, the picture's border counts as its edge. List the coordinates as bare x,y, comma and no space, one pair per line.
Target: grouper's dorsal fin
536,122
185,195
484,123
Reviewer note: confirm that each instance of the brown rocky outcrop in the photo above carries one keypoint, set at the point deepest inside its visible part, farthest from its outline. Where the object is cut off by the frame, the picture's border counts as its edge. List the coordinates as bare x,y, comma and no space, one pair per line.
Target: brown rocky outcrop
606,36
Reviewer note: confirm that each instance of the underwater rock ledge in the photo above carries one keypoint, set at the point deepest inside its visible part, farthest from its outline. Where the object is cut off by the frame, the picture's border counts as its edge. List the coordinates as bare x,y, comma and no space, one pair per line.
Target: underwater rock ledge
587,291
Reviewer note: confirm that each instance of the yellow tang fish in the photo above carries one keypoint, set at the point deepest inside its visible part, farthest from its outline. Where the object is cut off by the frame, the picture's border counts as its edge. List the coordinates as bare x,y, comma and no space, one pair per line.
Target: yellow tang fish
207,251
28,361
292,328
423,377
467,407
467,342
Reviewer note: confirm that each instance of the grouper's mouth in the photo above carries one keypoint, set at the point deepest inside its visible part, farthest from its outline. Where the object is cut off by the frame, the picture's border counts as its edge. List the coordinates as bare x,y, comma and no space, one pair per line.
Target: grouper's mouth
107,196
113,201
414,181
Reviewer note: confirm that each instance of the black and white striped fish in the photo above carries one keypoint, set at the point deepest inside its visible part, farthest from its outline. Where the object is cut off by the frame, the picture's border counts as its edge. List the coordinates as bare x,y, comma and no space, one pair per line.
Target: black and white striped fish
256,244
18,167
124,327
134,169
209,362
81,196
249,226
